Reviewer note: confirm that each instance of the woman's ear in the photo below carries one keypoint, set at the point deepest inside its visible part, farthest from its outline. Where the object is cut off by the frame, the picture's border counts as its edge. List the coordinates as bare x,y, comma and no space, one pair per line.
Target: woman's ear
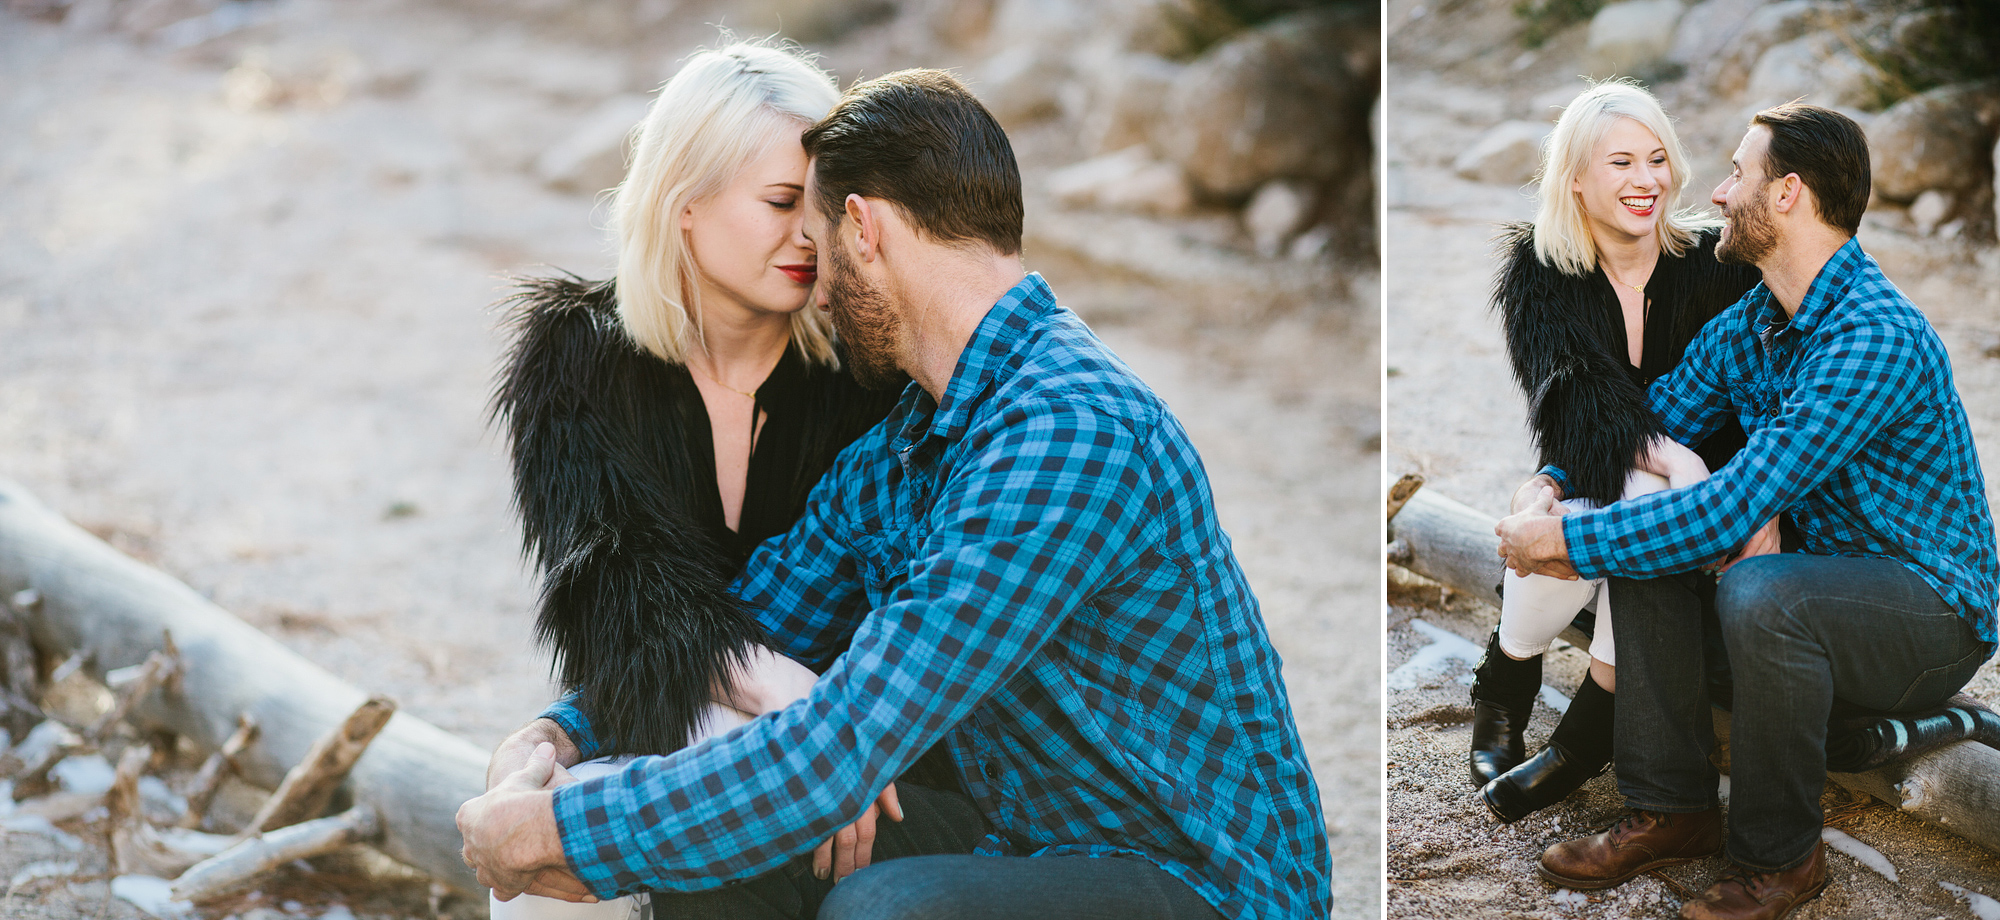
687,216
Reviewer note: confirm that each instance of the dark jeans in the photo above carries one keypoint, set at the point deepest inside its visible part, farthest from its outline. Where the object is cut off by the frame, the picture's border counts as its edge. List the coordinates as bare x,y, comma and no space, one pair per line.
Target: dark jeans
922,868
1799,630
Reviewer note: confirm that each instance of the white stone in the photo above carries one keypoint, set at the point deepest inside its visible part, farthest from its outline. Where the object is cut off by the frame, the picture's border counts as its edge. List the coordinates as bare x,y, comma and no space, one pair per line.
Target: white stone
1275,213
1126,95
1929,210
1633,37
1022,84
1124,180
1508,153
592,157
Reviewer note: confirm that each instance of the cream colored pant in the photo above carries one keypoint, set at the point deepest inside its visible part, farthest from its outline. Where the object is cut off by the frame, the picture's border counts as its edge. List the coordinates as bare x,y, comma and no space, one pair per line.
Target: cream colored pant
531,907
1534,608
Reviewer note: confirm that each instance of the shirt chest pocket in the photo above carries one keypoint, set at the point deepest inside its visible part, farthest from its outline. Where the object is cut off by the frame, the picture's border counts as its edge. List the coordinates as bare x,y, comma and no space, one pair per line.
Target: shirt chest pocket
881,556
1758,398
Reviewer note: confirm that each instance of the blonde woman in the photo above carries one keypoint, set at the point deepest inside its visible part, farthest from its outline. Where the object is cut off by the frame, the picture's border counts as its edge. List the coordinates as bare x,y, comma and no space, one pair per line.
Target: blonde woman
1599,296
666,422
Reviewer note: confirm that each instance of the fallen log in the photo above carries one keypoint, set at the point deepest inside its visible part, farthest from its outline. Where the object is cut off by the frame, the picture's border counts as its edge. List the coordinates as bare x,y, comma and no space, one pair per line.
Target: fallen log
1956,787
414,776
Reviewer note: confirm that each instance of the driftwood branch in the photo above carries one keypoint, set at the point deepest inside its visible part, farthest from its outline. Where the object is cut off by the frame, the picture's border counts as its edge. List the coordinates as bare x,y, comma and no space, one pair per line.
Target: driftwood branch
1400,492
159,669
258,855
34,777
17,666
1956,787
309,786
414,775
136,847
218,765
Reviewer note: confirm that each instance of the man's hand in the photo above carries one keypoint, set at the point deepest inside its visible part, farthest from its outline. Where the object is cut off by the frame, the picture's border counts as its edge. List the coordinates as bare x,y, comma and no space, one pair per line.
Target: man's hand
851,847
1531,540
1531,490
513,753
1762,543
511,836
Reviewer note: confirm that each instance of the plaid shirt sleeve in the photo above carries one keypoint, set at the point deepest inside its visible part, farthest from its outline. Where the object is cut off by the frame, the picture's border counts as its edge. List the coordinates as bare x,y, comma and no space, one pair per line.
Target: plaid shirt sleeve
1032,523
1847,391
1691,401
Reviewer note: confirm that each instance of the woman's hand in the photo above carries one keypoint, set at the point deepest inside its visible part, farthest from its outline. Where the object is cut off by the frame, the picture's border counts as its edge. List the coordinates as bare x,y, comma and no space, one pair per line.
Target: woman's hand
1532,490
1762,543
513,753
852,846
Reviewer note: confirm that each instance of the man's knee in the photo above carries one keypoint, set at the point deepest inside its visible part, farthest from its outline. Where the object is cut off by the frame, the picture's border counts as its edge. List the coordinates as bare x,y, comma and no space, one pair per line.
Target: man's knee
900,889
1755,599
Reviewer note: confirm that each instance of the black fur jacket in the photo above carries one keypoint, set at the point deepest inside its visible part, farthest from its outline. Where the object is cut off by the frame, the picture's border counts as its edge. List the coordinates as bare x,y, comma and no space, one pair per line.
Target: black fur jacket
614,496
1566,340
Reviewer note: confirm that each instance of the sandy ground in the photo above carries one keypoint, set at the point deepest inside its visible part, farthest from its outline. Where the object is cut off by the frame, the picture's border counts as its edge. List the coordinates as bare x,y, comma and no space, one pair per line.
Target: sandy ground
250,342
1455,416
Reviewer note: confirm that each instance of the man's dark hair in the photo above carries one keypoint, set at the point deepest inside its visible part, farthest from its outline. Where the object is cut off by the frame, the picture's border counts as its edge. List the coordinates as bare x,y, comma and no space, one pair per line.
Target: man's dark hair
921,140
1830,154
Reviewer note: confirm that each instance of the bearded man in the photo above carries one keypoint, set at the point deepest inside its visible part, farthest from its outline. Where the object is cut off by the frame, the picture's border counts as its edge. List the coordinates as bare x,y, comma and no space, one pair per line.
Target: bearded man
1020,567
1857,438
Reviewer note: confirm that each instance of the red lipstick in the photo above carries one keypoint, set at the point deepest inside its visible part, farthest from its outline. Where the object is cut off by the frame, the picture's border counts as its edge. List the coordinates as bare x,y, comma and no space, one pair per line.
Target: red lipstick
804,273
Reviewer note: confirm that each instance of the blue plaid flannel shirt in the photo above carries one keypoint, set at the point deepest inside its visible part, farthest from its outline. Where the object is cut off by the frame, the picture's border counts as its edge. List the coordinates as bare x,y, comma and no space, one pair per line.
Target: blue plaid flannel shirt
1031,570
1856,431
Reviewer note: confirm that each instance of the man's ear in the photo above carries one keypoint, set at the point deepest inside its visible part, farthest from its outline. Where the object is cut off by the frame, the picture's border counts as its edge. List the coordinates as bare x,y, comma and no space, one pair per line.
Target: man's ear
1791,191
867,226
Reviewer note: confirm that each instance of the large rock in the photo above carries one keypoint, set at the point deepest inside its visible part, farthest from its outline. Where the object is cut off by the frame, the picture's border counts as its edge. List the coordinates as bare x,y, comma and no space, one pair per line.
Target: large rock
1023,84
1508,153
1709,27
1286,100
1126,96
1939,140
1820,68
1728,73
1632,38
592,158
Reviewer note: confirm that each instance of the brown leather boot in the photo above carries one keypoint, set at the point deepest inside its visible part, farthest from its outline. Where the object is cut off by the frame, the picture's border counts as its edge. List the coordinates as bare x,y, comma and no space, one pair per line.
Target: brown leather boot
1745,894
1640,842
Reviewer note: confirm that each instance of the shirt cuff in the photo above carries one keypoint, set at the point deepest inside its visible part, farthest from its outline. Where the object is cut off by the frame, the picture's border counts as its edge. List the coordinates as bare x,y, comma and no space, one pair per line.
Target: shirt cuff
583,821
575,724
1556,473
1587,554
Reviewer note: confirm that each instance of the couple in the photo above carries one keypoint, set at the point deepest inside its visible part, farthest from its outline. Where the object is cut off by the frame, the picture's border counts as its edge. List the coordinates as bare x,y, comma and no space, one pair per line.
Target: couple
1005,618
1838,562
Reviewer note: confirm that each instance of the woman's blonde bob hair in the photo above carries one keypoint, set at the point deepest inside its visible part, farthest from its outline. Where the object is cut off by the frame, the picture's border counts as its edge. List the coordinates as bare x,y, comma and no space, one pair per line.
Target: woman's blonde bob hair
1562,231
722,111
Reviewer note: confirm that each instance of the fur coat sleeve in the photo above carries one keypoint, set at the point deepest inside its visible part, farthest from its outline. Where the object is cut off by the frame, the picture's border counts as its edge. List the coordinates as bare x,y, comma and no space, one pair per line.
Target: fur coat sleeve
1585,413
635,601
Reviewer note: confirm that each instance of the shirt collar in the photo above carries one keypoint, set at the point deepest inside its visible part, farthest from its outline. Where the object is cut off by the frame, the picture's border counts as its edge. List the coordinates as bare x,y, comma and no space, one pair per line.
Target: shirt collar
985,353
1829,288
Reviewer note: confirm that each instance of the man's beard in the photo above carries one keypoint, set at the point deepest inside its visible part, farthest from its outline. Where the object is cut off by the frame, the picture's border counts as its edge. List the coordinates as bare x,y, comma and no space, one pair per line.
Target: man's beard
866,323
1751,233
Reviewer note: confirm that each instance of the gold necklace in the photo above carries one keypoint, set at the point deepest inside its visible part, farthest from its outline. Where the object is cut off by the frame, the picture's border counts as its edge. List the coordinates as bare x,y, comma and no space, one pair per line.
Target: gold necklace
1640,288
750,395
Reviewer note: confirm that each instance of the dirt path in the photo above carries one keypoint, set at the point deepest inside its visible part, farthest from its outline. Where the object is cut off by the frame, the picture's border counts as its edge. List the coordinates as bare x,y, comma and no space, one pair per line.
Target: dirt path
244,335
1455,415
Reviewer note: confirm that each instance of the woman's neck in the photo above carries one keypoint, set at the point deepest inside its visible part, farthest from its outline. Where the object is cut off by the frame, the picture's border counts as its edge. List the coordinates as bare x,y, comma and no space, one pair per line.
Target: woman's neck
739,346
1628,260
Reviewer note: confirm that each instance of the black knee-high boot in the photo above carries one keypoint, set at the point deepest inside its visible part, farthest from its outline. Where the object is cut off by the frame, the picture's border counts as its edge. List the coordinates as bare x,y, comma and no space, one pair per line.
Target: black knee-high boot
1866,744
1503,695
1577,750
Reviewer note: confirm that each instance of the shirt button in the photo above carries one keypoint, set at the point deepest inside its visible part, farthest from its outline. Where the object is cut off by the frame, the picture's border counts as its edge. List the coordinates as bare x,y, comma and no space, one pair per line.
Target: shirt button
991,770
